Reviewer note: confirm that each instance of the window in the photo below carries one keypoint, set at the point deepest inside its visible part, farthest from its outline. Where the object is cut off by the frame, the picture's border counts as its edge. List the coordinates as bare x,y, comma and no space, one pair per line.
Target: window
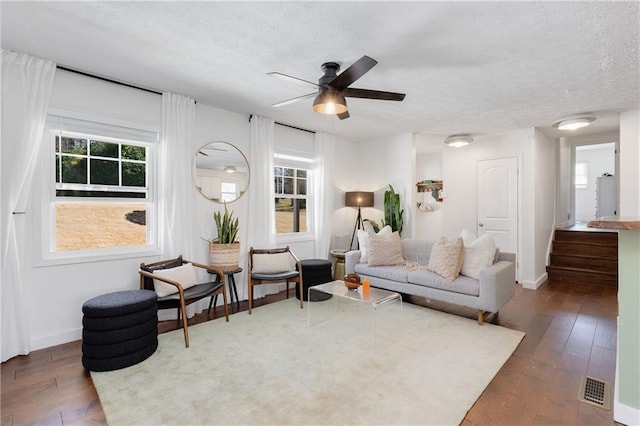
102,197
228,191
290,187
582,176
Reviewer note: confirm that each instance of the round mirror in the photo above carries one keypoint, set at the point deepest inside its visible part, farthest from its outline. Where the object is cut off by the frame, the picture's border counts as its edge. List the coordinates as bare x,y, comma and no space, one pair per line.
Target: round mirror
221,172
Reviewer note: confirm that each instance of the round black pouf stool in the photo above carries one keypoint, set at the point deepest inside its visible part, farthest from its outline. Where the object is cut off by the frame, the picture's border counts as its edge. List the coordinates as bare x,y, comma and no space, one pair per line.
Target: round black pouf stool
119,329
314,272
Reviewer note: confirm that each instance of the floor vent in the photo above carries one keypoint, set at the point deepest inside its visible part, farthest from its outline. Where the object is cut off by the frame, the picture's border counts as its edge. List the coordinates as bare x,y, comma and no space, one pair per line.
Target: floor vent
595,392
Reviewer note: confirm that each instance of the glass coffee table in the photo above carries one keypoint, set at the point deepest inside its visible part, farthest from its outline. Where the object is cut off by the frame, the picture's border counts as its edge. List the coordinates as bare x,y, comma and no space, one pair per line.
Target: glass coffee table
376,297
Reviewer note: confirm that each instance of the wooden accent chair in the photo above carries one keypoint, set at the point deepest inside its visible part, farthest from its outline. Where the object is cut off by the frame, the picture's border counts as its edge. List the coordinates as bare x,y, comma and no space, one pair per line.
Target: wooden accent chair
273,266
188,290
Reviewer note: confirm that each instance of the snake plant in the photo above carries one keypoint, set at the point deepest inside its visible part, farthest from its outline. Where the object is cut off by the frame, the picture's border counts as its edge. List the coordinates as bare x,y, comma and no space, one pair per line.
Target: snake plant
227,227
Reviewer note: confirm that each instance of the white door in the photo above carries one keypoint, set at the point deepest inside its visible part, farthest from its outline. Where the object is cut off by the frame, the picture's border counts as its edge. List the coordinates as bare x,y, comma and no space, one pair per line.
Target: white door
498,202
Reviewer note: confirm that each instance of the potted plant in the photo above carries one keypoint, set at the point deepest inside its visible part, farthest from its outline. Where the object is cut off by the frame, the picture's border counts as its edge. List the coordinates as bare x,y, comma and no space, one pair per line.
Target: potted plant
224,250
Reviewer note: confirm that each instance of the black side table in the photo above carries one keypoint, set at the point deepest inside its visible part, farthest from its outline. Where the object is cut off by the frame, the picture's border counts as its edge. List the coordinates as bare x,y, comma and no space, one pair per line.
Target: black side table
231,286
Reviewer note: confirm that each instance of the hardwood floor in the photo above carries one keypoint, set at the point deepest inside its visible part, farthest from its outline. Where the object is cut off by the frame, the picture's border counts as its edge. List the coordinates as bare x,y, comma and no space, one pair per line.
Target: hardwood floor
571,331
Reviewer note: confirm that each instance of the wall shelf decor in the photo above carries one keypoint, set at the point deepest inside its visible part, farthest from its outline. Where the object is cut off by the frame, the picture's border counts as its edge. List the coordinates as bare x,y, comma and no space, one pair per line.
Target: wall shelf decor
429,191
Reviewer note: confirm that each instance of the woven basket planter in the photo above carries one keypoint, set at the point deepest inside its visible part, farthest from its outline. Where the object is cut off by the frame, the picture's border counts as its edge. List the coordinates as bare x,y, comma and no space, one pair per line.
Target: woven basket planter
224,256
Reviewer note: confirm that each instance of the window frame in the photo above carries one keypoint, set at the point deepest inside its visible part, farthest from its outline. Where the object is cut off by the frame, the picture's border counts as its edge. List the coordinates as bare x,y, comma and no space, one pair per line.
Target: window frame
46,238
585,184
296,162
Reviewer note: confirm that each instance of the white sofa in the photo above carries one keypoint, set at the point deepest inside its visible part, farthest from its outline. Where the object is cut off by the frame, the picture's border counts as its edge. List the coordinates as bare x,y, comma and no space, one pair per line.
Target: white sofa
494,288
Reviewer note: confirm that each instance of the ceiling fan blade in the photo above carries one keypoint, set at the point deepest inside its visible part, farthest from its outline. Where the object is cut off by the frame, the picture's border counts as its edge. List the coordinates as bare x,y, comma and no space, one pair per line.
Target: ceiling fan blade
372,94
296,99
343,115
292,79
354,72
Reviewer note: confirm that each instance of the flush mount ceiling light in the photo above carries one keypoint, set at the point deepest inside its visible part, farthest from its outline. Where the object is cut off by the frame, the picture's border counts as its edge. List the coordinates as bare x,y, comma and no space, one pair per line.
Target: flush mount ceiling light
457,141
573,123
330,102
230,169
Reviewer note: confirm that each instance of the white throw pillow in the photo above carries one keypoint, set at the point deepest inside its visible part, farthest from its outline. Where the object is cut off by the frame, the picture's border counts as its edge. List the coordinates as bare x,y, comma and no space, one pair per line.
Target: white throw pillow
363,241
186,275
478,255
447,257
385,249
272,263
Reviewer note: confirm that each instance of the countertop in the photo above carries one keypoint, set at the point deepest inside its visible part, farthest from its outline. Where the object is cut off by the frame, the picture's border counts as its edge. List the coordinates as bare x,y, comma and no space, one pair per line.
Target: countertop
615,222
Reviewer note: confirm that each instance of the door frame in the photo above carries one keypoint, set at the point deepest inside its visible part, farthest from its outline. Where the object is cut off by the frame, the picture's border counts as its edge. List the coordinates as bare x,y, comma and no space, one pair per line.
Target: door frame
572,186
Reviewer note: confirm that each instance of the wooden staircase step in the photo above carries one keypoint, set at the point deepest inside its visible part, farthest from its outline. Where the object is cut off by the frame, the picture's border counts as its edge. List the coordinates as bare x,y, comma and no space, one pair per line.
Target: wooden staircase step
585,249
593,237
592,263
582,276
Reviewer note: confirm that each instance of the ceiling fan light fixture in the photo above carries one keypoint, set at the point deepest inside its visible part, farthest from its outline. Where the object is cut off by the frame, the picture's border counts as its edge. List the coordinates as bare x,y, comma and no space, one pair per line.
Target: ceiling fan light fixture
574,123
458,141
329,102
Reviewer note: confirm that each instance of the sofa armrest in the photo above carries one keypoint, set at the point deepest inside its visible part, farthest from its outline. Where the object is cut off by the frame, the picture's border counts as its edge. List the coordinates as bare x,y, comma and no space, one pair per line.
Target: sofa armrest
497,285
351,258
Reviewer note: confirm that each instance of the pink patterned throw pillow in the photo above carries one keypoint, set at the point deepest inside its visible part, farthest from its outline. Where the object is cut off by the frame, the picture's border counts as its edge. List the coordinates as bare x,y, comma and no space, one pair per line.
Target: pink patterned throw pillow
447,257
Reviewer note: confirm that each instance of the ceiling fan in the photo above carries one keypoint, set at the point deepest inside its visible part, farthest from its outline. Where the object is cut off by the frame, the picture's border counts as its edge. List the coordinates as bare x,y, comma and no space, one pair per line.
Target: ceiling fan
332,89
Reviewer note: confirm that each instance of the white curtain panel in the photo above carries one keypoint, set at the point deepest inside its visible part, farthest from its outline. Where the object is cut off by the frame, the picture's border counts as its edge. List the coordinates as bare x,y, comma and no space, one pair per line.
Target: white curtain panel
176,204
262,222
323,192
27,83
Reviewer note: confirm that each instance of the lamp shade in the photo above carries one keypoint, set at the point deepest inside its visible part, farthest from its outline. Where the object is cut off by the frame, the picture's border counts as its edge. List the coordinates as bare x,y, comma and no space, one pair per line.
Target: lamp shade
330,102
358,199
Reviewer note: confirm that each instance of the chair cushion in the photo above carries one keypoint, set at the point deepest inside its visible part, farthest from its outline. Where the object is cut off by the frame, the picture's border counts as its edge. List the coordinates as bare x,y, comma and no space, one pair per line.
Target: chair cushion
271,263
196,292
148,282
116,363
185,275
106,337
119,303
275,277
122,321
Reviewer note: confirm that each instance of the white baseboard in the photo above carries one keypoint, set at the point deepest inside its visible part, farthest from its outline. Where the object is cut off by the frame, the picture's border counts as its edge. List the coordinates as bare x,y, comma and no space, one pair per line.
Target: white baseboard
533,285
624,414
56,339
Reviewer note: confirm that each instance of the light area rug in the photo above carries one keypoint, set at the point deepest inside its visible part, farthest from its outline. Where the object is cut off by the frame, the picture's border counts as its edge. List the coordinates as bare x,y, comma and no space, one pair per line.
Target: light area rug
353,365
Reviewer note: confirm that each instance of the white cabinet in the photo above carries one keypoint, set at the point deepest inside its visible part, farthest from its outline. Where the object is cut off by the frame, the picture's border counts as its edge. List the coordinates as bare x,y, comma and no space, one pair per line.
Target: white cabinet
605,196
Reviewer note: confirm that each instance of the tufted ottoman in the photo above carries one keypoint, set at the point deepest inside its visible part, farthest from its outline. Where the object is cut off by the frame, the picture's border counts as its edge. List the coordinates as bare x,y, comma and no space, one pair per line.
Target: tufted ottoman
314,272
119,329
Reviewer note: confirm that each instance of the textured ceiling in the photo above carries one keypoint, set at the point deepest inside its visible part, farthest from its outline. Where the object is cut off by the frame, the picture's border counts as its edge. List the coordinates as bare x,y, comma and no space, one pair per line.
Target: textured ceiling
466,67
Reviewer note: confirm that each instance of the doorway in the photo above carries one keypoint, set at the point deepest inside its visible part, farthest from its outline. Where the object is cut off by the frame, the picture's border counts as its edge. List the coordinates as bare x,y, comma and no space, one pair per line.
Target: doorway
595,185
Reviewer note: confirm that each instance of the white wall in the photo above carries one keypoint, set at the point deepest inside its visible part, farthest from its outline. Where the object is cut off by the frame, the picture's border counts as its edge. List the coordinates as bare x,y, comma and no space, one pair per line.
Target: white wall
347,178
213,124
545,186
460,206
428,224
564,191
629,161
56,293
